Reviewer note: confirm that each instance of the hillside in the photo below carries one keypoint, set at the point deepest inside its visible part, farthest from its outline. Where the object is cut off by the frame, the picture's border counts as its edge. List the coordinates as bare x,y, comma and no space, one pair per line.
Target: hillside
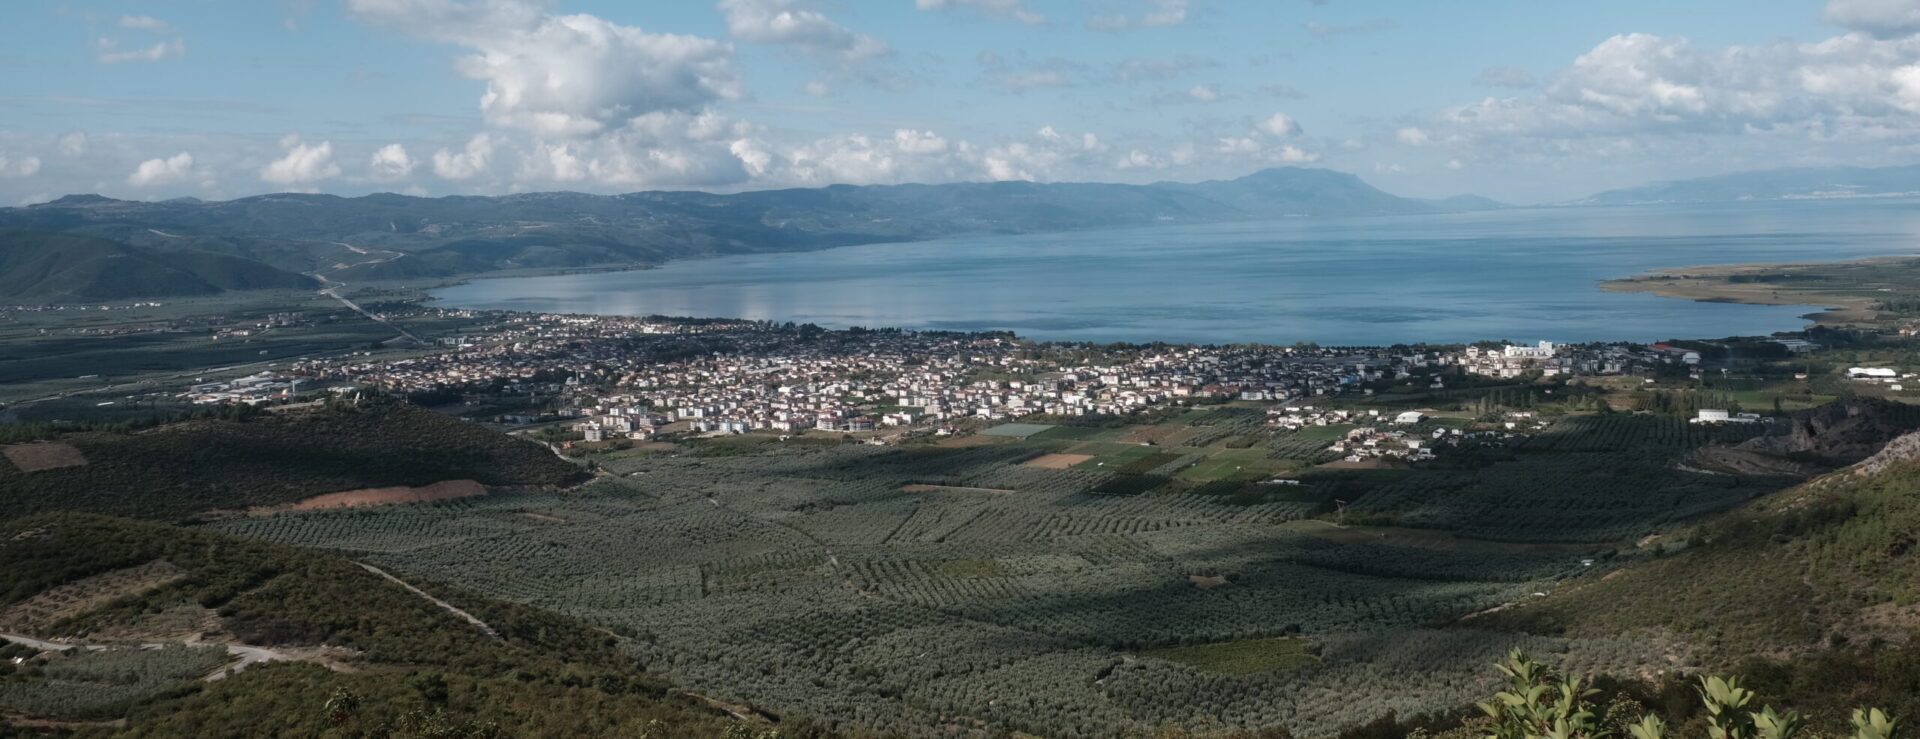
192,467
37,268
1821,575
390,236
353,654
1771,184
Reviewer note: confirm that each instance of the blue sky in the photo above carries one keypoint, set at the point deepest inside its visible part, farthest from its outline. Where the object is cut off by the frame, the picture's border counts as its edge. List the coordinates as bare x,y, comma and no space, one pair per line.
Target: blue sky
1524,101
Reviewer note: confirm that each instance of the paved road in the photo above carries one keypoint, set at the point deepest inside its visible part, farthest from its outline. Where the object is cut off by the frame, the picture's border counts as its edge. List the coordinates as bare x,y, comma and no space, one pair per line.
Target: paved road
331,291
248,655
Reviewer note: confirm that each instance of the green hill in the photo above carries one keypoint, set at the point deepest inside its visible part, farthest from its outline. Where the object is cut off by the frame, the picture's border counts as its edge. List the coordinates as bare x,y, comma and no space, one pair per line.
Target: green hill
267,459
50,268
356,654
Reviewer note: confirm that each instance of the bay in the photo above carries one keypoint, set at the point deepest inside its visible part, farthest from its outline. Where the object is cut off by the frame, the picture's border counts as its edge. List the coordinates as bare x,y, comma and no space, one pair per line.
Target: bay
1521,275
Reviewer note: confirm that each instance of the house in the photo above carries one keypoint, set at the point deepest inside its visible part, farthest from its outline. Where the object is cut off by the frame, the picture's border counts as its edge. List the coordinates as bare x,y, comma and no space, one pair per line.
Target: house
1410,417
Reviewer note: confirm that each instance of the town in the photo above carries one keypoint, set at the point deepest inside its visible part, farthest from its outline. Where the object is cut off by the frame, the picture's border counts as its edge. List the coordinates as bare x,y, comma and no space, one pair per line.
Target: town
634,378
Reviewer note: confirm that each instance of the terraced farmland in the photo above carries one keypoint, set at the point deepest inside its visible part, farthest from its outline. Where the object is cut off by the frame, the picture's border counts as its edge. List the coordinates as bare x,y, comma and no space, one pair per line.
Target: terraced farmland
903,588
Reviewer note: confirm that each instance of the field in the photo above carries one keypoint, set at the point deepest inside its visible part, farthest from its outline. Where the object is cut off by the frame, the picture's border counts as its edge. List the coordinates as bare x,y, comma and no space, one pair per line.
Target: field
897,588
44,455
1241,657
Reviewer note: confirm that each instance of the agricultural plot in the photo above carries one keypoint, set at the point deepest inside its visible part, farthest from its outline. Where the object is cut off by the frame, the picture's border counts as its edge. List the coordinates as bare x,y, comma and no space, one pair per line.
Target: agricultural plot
1018,430
86,684
1585,479
898,588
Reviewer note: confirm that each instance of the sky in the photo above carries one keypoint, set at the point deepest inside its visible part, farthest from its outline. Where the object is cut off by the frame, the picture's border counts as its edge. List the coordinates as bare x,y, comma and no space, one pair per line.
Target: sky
1520,100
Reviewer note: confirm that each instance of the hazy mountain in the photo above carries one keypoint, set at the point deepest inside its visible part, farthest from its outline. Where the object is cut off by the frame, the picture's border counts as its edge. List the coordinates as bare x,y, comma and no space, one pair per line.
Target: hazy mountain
37,268
395,236
1772,184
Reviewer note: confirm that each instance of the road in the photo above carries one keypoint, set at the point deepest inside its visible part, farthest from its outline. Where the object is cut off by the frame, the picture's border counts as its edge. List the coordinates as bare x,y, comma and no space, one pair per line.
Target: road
451,608
332,291
248,655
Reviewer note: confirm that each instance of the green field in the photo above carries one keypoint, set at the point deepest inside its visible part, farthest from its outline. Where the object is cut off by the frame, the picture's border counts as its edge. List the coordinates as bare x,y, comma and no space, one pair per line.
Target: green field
1017,430
1241,657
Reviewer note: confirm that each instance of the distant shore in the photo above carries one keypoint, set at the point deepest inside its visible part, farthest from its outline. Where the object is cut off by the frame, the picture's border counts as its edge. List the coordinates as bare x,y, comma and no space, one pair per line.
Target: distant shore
1854,292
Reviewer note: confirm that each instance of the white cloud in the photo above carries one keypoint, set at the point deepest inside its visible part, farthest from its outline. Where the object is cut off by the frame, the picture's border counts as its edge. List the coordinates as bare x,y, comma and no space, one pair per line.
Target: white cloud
1204,93
168,171
785,22
1881,18
1413,136
73,144
1001,9
466,164
817,88
303,163
108,51
1157,13
146,23
390,163
564,75
1280,124
22,167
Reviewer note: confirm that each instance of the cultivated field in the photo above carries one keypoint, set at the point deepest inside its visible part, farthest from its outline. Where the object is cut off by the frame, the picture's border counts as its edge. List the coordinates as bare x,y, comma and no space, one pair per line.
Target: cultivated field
1062,578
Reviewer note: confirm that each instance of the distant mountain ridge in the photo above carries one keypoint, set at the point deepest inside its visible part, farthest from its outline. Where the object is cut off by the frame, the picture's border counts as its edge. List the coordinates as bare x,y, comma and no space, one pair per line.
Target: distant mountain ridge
45,268
1797,183
395,236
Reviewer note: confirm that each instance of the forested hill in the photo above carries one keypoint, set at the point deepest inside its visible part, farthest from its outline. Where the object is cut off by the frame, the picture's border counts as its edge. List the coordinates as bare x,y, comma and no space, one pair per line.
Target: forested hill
395,236
38,268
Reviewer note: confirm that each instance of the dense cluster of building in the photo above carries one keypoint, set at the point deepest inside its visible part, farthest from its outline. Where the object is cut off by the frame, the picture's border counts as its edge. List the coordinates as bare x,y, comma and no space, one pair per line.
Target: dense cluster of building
618,377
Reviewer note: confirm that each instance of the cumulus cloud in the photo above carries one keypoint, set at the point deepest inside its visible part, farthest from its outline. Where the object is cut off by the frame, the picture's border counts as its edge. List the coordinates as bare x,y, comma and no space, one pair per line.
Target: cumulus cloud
999,9
1884,19
108,51
171,170
390,163
465,164
1280,124
567,76
1268,139
1135,70
1156,13
1413,136
1851,87
784,22
22,167
73,144
302,163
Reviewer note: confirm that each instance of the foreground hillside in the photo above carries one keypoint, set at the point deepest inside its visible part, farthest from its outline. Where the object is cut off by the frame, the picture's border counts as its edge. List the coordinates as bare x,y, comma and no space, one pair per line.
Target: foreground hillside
351,653
1812,590
398,237
262,459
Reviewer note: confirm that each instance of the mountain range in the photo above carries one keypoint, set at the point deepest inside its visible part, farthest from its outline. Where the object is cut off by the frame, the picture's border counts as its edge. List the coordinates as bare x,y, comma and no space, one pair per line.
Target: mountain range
388,236
1799,183
190,247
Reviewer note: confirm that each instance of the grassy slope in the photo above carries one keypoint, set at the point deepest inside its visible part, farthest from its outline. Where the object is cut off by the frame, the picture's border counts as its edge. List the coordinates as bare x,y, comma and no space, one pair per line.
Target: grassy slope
419,666
187,468
1810,591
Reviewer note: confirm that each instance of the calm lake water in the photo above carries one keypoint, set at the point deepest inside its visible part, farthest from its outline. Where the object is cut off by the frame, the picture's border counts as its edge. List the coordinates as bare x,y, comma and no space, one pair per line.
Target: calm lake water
1522,275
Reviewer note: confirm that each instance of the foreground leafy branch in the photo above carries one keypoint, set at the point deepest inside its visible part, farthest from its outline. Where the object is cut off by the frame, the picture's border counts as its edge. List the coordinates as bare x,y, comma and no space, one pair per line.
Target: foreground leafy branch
1540,705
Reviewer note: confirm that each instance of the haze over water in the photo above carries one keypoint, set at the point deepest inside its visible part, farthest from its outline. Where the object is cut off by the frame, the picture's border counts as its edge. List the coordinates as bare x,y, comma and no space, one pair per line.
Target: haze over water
1521,275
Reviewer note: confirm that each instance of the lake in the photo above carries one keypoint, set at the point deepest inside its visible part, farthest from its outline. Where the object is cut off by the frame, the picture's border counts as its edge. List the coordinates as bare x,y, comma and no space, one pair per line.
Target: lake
1522,275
